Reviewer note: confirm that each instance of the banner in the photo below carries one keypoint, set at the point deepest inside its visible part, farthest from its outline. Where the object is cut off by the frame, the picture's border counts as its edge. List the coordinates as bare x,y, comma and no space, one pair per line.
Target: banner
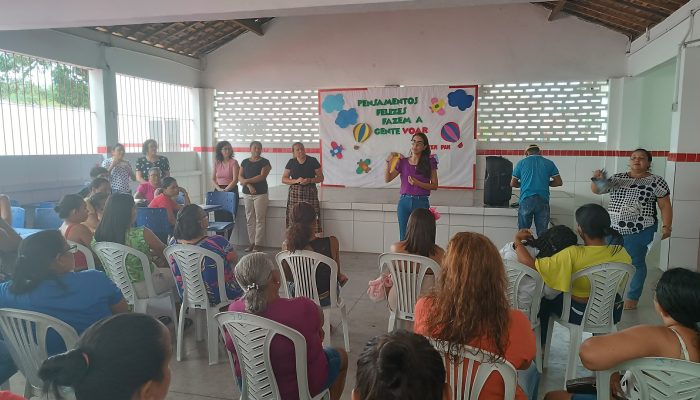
360,127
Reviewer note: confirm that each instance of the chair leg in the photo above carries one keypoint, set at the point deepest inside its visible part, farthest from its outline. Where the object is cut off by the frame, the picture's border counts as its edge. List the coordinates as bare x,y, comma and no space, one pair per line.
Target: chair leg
212,336
5,385
181,331
141,306
392,322
547,343
199,329
538,351
326,327
344,321
575,336
173,307
28,390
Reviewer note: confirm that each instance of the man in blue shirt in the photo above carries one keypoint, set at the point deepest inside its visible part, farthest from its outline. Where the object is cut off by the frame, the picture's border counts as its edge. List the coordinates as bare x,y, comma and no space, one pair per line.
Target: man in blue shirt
534,175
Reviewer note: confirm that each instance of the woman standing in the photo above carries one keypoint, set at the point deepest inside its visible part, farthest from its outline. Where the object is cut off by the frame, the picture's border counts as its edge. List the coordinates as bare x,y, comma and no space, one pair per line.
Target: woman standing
418,177
302,173
119,170
633,198
151,159
469,307
253,177
225,176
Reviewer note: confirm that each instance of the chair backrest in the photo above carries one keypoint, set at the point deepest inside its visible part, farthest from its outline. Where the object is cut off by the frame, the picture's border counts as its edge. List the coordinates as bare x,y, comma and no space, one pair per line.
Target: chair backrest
46,218
86,251
14,203
227,200
657,378
515,273
407,272
608,281
25,332
303,265
155,219
189,260
113,257
460,367
180,199
252,336
18,217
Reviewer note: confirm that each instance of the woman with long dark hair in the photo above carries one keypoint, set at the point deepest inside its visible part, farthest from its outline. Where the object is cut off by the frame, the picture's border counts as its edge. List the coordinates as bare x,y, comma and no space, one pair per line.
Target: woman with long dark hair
149,160
301,236
302,173
169,191
45,282
469,307
117,226
601,244
72,209
634,196
418,178
225,174
124,357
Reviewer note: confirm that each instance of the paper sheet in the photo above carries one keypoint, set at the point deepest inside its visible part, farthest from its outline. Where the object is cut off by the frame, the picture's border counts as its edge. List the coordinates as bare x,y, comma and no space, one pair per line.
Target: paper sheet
654,241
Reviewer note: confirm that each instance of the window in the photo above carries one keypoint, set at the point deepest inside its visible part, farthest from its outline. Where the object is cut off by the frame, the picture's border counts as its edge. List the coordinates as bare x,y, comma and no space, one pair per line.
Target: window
44,107
154,110
271,116
553,111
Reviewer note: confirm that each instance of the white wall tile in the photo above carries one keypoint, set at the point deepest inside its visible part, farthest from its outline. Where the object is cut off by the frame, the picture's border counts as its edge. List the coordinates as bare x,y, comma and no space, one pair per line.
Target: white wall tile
466,220
683,253
500,221
454,229
343,230
372,216
686,217
585,167
442,235
274,232
687,184
368,237
500,236
391,235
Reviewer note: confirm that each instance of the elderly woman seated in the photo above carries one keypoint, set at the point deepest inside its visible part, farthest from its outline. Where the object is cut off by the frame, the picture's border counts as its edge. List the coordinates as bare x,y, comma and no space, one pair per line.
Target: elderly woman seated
260,279
149,189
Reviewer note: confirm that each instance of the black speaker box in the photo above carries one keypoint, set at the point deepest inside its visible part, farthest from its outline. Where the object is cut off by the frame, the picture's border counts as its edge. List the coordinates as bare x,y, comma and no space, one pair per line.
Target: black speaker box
497,190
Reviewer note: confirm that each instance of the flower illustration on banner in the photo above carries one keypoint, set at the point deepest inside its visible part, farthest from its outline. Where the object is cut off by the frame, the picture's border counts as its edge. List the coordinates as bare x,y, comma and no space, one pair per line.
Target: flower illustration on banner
333,102
437,106
460,99
337,150
363,166
450,132
346,118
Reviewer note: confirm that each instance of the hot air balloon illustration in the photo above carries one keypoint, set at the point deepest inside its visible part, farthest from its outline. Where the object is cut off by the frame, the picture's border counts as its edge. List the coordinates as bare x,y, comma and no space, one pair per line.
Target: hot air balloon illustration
450,133
361,132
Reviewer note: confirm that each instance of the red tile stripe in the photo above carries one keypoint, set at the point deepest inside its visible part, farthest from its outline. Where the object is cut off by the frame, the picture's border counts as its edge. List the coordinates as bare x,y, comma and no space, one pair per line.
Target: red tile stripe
567,153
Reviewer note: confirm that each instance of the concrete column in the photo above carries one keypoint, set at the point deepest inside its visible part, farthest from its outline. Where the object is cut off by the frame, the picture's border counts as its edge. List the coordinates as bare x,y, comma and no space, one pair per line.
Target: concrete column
103,102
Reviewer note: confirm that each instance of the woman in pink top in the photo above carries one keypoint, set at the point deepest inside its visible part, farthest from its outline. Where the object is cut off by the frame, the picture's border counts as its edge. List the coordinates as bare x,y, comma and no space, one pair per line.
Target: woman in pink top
260,280
418,177
166,199
226,168
148,189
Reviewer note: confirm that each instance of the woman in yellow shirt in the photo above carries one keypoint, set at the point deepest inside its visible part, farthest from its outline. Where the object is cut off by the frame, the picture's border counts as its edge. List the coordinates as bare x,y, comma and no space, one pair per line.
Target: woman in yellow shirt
601,244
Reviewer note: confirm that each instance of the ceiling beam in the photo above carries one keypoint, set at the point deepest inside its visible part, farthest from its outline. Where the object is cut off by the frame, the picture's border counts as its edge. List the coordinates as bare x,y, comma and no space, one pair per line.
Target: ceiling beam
161,30
605,15
641,7
218,42
630,12
250,25
556,10
627,31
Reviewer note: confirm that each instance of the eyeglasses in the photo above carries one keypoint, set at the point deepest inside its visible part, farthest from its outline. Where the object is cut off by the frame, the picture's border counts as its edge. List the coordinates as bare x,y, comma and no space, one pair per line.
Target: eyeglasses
418,142
73,248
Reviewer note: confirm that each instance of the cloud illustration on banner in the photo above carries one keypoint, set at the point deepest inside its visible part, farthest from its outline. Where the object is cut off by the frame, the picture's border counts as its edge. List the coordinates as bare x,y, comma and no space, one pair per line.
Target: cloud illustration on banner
333,102
460,99
346,118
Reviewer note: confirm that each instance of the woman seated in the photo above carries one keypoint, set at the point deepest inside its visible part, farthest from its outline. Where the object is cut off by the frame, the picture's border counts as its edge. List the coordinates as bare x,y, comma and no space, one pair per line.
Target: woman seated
601,244
400,365
117,226
147,190
72,209
99,185
677,302
96,207
166,199
9,240
44,282
191,228
549,243
301,236
260,279
469,307
123,357
5,209
420,240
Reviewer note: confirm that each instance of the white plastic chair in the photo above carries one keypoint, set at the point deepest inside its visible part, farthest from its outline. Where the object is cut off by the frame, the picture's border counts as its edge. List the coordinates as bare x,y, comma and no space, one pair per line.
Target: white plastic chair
407,272
656,378
86,251
607,280
303,265
24,333
461,367
515,273
113,258
189,259
252,336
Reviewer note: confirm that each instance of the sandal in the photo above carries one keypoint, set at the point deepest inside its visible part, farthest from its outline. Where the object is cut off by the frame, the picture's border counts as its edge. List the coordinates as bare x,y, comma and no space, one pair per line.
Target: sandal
630,305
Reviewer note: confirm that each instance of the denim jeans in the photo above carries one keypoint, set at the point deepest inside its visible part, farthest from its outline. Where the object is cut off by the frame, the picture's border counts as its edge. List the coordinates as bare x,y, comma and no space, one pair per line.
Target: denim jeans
636,246
529,381
537,207
556,305
407,204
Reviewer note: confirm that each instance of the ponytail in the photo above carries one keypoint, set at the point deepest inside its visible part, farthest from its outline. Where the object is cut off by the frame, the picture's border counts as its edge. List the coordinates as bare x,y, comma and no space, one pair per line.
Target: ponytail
35,255
67,369
254,273
616,239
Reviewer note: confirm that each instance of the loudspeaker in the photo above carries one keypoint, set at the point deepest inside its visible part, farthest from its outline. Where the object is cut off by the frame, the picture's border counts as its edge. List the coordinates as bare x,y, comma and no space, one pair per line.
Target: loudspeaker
497,190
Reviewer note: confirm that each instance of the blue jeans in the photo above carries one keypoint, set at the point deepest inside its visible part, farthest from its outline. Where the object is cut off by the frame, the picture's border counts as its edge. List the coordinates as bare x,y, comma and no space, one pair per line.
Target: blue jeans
533,207
7,366
636,246
529,381
407,204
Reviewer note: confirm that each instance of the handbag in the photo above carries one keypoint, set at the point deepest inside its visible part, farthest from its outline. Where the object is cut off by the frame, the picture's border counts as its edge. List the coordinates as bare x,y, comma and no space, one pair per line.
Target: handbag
376,288
581,385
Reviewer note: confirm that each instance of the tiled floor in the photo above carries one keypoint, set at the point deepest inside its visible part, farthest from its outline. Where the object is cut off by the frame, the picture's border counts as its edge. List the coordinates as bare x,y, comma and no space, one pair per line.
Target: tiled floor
194,379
